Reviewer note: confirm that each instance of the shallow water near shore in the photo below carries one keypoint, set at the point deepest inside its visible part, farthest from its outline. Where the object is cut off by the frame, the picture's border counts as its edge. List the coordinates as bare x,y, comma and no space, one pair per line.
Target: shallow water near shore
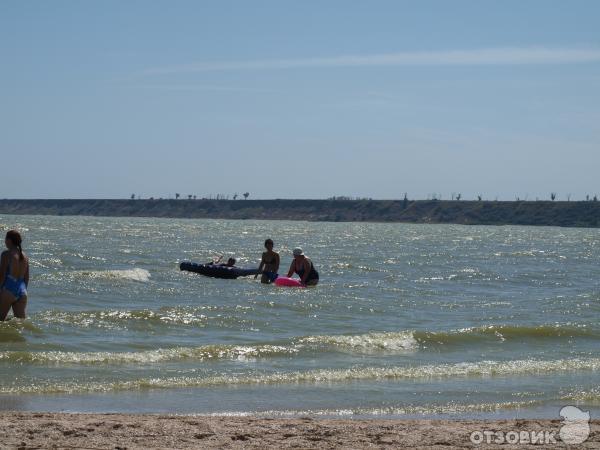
408,320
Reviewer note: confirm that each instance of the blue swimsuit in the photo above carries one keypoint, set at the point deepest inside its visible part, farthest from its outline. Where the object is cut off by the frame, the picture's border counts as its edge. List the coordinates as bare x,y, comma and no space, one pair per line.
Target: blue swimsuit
16,286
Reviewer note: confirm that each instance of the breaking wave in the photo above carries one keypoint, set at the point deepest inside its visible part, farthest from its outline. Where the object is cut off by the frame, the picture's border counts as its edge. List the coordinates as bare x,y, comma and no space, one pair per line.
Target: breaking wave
419,372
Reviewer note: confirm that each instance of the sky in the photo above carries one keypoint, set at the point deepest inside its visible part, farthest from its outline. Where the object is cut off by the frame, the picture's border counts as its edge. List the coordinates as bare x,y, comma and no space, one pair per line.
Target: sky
300,99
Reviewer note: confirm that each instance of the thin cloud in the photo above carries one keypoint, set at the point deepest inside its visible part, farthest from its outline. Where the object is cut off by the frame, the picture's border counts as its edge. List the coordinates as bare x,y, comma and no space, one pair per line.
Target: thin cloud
200,88
489,56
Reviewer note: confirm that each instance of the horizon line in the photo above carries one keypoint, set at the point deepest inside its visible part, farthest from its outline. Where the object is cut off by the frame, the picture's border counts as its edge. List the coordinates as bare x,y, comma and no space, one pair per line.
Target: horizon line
590,199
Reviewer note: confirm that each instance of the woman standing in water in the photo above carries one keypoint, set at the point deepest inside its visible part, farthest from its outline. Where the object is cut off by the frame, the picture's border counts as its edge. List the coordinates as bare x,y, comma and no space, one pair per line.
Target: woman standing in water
14,277
303,266
269,264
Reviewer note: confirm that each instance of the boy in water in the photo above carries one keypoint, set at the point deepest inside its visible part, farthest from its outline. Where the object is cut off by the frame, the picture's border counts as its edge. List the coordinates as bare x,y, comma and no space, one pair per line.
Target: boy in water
230,263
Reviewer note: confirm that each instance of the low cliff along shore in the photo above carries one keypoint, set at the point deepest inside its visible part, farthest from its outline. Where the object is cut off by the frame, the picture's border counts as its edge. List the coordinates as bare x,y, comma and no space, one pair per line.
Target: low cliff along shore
542,213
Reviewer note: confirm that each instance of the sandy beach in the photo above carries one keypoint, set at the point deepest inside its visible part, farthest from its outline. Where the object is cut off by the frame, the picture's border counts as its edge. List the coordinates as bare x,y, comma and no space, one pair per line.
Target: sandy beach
120,431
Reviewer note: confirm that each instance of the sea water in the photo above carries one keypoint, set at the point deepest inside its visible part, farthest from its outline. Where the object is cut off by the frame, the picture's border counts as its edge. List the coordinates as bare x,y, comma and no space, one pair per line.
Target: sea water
407,321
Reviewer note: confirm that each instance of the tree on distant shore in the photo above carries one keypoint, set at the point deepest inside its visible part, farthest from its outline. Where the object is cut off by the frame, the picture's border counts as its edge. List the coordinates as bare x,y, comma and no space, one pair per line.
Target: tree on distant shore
246,195
553,196
235,196
132,196
176,196
189,196
479,198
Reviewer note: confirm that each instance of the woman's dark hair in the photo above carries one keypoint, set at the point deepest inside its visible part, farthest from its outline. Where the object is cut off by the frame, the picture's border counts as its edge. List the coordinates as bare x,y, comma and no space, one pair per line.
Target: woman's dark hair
268,242
15,237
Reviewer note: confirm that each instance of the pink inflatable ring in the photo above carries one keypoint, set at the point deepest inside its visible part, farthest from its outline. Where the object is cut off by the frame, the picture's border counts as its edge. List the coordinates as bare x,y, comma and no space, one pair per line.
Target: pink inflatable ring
288,282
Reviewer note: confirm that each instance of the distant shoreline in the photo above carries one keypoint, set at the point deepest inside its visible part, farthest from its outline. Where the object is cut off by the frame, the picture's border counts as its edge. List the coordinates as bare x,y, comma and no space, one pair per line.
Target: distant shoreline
539,213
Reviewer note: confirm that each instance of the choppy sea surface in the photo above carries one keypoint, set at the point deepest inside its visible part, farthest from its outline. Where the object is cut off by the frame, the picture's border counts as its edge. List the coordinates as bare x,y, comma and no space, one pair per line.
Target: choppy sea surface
408,320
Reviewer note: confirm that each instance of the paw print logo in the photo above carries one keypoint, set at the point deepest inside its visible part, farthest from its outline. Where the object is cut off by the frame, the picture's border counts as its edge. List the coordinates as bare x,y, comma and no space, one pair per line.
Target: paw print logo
575,427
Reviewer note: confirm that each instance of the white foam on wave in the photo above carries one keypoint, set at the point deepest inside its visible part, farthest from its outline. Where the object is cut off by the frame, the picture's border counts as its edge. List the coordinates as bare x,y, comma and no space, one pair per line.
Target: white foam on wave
400,410
591,395
137,274
419,372
388,341
206,352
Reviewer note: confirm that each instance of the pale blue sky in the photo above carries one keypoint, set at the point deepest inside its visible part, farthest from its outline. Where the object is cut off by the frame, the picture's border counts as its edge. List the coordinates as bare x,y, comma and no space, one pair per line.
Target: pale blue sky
302,99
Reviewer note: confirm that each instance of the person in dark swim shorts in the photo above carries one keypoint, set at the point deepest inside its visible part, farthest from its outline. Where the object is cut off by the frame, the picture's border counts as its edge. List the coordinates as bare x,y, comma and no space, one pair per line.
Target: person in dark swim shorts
269,264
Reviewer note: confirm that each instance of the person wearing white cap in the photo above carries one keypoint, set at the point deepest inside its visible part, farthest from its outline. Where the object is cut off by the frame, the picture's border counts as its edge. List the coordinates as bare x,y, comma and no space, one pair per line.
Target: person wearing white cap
304,267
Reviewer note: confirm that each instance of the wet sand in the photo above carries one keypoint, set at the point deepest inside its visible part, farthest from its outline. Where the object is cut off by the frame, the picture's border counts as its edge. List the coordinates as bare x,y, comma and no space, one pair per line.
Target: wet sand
120,431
